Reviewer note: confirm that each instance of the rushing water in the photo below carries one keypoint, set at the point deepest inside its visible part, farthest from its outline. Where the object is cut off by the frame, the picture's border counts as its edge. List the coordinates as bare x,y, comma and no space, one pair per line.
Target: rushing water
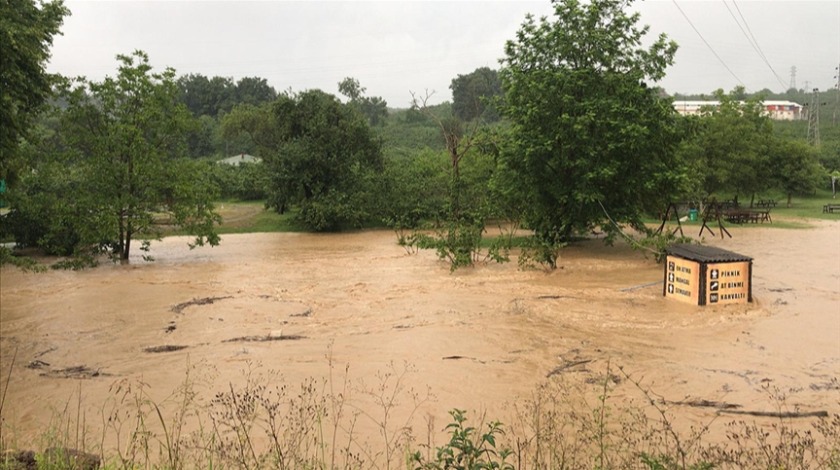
477,338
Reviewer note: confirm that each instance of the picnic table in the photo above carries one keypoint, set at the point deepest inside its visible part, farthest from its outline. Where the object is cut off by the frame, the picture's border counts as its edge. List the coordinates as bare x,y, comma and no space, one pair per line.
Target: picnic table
831,208
766,203
742,216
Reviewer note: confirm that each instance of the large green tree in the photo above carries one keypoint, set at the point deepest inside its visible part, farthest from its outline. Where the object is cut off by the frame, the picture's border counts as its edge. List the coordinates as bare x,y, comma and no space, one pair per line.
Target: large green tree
321,156
795,167
207,96
27,29
121,143
591,141
473,94
735,142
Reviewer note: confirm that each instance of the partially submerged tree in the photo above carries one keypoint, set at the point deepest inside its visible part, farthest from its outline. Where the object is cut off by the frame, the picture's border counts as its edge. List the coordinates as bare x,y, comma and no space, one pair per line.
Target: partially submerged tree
118,166
592,142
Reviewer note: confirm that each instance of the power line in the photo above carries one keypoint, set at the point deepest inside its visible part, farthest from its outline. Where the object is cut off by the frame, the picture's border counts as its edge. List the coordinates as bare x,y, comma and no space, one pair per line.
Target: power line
707,44
752,40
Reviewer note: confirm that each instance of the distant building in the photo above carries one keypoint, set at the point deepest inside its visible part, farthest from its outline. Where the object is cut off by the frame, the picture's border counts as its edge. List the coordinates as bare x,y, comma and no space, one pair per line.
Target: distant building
778,110
240,159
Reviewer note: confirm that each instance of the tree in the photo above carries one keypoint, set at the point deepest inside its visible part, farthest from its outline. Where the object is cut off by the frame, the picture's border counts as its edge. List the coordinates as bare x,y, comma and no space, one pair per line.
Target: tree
730,152
124,138
26,34
592,143
207,96
254,90
472,95
795,167
374,108
320,154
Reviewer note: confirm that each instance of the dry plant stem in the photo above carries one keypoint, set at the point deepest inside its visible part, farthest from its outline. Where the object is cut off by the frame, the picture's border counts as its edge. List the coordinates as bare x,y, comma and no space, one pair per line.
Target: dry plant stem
682,448
8,379
245,446
602,412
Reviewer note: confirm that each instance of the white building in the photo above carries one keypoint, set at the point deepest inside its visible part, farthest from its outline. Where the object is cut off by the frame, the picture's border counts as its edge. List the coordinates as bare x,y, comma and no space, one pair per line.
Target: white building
779,110
237,160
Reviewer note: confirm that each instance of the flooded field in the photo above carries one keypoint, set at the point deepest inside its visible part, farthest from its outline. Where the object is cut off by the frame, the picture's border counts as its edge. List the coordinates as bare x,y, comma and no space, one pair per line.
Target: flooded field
476,339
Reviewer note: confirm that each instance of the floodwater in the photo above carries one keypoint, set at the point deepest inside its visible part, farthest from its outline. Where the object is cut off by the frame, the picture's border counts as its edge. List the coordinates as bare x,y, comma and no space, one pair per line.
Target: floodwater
476,339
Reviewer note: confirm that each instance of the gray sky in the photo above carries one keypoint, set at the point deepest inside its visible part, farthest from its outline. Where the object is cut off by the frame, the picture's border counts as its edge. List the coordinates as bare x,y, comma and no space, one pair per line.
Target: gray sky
394,47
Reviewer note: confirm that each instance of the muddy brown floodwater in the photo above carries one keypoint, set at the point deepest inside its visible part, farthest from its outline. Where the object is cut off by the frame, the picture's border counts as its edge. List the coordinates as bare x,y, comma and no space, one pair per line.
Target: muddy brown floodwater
479,338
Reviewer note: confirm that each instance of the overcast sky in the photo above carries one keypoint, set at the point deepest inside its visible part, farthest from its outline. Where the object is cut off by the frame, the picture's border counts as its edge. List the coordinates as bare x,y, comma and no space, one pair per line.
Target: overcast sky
394,47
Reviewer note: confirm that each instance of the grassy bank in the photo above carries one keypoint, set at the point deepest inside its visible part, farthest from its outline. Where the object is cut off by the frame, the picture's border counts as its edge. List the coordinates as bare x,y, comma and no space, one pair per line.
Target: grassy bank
251,216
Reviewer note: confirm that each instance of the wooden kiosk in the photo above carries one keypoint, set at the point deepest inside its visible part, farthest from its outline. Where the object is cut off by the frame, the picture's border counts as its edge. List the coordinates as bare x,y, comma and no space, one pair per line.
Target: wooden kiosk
704,275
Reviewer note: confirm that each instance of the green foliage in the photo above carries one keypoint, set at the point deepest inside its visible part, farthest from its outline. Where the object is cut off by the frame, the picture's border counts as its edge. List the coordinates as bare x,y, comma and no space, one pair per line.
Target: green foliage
543,250
245,182
114,172
407,132
202,136
27,29
658,243
205,96
7,257
734,141
795,168
414,190
456,241
473,95
214,96
320,155
587,131
466,449
374,108
735,149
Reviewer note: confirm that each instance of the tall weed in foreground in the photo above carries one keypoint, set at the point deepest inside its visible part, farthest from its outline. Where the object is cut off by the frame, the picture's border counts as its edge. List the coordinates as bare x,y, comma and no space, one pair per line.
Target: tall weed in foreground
607,421
147,432
779,444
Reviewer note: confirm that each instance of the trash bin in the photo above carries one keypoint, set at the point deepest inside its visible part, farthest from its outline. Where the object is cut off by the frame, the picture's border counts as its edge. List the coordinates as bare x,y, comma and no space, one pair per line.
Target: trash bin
692,215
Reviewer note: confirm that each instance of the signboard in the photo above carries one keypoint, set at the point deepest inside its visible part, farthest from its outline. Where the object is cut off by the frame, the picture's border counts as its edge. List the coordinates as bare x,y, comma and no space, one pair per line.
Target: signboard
727,283
682,279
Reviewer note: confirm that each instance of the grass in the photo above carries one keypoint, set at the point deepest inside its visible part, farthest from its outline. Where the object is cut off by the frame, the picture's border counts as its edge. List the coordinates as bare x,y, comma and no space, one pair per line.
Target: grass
251,216
802,211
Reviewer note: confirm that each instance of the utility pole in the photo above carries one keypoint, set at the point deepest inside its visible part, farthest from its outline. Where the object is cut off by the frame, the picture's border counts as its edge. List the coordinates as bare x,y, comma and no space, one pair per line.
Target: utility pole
792,78
836,94
814,119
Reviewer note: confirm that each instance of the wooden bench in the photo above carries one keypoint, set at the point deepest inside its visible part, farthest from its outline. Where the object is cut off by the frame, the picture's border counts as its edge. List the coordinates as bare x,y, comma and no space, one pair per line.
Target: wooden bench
831,208
766,203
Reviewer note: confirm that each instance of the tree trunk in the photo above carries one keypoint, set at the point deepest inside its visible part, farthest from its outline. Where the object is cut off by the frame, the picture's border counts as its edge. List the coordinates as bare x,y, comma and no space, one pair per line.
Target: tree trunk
127,245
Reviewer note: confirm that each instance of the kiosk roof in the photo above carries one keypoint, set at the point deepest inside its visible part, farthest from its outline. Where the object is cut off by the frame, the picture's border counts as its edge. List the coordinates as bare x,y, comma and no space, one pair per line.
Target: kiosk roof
705,254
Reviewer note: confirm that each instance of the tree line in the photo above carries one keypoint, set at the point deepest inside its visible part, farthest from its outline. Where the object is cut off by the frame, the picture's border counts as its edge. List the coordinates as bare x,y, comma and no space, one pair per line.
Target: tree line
568,136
